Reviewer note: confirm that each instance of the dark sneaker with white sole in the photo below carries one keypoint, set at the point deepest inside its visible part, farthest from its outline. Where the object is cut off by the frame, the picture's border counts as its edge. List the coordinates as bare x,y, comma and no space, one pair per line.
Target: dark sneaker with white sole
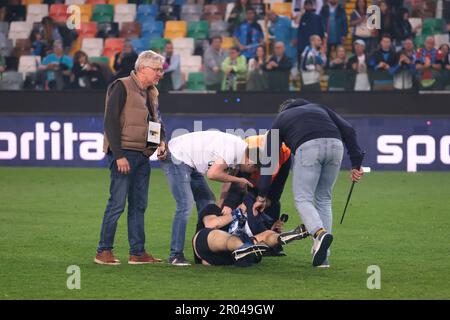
324,264
179,260
297,234
247,249
323,242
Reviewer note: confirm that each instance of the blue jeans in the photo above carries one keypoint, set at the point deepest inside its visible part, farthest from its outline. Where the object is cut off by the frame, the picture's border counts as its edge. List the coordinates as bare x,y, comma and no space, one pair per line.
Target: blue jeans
187,185
316,167
133,185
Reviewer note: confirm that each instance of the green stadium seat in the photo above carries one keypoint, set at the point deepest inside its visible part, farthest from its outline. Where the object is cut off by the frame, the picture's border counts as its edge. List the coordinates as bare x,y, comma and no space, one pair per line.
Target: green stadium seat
103,13
196,81
158,44
198,30
419,40
432,26
104,60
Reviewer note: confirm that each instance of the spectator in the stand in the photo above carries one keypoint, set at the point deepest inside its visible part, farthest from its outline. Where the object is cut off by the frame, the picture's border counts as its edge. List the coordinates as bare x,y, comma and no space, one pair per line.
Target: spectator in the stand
257,76
37,44
312,62
301,3
86,74
238,14
402,27
360,29
172,73
385,57
124,61
340,61
281,29
55,70
213,58
358,64
444,48
234,68
335,22
429,65
387,20
249,35
49,32
406,67
309,23
278,69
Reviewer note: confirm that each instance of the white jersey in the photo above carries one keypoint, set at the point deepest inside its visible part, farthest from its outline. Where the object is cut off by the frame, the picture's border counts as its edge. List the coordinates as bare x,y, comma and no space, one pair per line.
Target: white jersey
201,149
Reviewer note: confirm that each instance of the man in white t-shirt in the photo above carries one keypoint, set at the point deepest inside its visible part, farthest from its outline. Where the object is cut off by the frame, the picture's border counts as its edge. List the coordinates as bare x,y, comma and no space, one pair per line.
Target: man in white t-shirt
216,154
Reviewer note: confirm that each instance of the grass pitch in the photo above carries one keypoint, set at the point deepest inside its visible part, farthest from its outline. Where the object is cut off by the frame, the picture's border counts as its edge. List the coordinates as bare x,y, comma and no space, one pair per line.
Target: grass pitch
50,219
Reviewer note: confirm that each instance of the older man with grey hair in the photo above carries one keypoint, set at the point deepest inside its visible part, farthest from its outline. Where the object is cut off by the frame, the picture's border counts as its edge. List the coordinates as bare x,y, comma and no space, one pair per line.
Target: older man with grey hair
133,132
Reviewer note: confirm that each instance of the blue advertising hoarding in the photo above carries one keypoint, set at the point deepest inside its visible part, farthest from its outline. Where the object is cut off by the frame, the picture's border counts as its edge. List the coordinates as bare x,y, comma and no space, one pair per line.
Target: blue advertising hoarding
391,143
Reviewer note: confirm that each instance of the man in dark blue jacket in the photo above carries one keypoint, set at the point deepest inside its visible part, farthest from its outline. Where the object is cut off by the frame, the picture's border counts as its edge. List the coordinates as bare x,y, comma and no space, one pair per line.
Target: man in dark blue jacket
335,24
314,133
310,24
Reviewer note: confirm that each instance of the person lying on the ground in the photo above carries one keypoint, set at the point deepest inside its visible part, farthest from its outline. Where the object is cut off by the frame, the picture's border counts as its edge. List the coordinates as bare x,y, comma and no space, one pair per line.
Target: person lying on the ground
213,243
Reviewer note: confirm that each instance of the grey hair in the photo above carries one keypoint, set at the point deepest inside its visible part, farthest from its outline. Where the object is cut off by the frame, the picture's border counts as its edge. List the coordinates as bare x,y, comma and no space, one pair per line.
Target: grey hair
148,58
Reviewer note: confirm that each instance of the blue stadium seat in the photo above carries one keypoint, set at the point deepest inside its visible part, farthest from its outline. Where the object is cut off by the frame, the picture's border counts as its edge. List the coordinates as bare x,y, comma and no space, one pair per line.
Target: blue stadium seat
152,28
140,44
146,12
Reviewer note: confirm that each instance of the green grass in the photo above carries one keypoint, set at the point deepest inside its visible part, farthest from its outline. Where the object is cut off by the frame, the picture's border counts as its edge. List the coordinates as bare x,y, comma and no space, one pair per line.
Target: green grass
50,219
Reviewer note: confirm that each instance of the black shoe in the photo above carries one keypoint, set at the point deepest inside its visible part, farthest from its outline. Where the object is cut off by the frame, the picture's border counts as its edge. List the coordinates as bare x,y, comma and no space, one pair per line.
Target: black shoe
296,234
179,260
249,254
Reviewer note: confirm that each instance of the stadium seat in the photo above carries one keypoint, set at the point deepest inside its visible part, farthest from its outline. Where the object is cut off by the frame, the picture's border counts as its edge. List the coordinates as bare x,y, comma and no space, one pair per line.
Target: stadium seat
419,40
191,12
175,29
113,46
93,47
140,44
198,30
15,13
158,44
416,22
88,30
116,2
214,12
432,26
100,59
29,2
35,12
196,81
282,8
183,46
219,28
190,64
6,47
11,80
227,42
152,28
96,2
228,10
19,30
28,64
77,2
86,12
169,12
107,30
146,12
22,48
124,13
440,39
130,30
4,27
337,80
103,13
58,12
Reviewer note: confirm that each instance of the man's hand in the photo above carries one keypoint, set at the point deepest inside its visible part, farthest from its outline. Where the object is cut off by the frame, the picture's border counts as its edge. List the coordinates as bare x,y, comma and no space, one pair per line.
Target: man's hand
278,226
259,205
123,166
226,210
356,175
161,152
245,182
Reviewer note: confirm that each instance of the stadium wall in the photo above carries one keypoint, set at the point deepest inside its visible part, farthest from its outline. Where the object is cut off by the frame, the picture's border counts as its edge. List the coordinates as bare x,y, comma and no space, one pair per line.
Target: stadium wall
406,143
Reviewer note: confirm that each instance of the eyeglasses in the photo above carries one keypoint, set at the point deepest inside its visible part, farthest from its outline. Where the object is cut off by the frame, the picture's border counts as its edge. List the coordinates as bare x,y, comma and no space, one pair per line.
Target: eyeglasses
158,70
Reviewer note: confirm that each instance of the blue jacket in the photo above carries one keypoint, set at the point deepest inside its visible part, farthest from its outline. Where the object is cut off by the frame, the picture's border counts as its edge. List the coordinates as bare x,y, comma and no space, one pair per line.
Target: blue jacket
310,24
341,21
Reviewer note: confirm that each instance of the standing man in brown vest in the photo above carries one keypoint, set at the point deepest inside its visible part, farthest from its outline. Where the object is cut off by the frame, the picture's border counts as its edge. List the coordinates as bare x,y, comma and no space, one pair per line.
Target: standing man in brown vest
133,132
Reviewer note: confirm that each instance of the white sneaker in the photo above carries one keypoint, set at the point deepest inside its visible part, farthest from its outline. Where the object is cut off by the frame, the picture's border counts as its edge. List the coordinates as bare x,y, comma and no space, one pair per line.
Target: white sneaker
320,248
